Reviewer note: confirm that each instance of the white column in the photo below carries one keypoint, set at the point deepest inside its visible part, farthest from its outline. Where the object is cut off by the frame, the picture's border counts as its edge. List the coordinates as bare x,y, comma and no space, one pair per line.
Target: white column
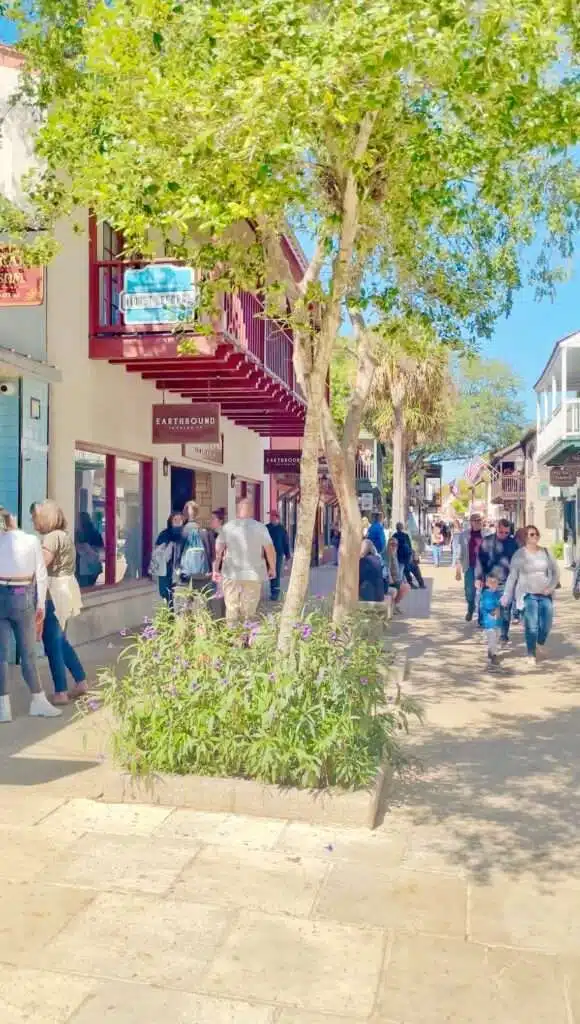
554,393
545,406
565,388
538,414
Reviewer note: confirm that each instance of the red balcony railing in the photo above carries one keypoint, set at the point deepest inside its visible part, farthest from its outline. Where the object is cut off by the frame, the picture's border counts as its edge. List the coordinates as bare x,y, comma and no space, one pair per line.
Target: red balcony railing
243,320
508,487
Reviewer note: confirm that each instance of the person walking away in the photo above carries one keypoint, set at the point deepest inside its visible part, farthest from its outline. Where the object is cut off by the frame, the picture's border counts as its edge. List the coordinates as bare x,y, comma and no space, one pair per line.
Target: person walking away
376,534
494,559
491,617
534,575
63,601
396,578
437,542
464,554
405,556
371,583
243,547
198,551
281,546
23,589
166,557
335,542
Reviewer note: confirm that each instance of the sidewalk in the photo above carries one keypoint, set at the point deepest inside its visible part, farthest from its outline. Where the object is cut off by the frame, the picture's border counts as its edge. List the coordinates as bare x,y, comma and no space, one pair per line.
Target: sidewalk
463,907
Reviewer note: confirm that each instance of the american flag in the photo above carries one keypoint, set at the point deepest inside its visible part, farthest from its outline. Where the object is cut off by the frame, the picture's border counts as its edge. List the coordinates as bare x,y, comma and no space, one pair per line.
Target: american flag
473,470
453,488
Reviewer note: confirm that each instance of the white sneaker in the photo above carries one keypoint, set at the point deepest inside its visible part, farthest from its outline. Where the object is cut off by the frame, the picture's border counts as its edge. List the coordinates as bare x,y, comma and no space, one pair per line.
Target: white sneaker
40,707
5,709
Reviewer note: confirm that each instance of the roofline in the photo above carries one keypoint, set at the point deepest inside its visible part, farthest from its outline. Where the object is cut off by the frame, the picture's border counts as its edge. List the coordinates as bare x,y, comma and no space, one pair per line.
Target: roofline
502,452
10,57
553,355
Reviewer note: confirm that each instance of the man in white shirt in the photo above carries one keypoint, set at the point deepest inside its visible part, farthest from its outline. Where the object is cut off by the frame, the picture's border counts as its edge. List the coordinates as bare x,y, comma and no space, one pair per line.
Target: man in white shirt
23,587
244,550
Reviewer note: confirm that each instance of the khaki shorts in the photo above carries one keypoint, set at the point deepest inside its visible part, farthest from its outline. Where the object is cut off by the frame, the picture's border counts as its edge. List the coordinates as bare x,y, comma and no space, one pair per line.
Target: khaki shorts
242,598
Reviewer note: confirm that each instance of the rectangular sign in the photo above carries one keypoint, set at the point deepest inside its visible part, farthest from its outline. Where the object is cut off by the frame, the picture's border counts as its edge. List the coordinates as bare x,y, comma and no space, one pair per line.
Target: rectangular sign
213,453
160,293
179,424
21,286
563,476
283,461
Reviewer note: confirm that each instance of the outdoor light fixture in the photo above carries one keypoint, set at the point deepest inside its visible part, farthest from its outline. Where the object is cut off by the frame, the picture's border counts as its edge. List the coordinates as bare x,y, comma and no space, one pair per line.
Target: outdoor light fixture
233,481
165,467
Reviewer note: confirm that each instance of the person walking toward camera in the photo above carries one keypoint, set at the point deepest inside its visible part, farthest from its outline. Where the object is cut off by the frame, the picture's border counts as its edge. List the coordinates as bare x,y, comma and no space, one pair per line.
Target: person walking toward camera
23,588
464,554
63,600
243,550
281,545
493,560
533,578
491,617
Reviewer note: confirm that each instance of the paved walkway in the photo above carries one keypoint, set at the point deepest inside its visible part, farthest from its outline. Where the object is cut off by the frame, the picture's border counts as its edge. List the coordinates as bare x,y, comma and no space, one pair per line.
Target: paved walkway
463,907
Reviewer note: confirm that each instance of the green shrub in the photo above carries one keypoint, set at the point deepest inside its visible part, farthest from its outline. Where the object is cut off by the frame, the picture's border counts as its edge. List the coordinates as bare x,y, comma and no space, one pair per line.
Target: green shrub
558,550
198,698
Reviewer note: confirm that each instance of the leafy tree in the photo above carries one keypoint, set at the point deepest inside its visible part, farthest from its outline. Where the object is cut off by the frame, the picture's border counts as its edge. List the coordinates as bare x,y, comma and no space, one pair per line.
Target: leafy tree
419,143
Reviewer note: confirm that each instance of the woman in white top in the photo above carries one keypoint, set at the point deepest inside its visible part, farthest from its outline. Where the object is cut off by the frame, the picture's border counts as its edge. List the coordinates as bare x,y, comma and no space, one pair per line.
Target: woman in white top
23,582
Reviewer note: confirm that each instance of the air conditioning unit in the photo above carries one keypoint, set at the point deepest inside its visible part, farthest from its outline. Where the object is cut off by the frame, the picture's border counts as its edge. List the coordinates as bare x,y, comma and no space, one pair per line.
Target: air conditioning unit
8,388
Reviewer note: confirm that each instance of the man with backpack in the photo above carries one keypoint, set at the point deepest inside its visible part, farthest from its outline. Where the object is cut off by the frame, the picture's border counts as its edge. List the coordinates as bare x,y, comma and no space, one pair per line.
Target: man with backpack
197,553
244,550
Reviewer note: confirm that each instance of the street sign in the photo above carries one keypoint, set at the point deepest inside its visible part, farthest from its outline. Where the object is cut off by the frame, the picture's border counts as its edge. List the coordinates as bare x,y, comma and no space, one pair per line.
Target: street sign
564,476
160,293
180,424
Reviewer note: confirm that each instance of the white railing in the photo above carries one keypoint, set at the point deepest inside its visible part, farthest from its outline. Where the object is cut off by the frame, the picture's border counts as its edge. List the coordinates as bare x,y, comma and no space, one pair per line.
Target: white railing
564,423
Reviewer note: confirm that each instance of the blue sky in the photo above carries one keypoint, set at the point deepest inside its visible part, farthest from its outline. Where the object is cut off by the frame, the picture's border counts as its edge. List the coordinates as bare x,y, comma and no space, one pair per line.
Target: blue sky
525,339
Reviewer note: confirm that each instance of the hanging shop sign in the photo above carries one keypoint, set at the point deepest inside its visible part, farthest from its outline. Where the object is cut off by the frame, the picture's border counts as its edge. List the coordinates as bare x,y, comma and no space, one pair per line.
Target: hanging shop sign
213,453
283,461
180,424
159,293
20,286
564,476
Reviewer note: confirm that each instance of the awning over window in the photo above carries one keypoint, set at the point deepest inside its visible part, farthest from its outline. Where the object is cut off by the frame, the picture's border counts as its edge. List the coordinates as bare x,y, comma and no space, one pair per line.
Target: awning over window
15,364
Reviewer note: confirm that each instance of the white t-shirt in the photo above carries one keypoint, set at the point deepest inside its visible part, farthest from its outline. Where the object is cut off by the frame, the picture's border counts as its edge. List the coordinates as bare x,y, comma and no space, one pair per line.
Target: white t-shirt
244,541
21,558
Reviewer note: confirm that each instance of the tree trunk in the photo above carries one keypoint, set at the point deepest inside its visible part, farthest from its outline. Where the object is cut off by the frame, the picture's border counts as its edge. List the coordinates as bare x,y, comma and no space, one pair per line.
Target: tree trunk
399,469
309,496
342,470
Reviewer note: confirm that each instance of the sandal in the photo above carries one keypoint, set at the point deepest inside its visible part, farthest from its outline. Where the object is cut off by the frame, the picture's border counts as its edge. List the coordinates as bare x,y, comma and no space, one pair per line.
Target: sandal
80,690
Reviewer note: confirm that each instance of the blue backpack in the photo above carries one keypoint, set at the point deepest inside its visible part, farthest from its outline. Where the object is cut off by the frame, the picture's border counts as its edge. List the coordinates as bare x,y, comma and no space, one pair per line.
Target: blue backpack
194,560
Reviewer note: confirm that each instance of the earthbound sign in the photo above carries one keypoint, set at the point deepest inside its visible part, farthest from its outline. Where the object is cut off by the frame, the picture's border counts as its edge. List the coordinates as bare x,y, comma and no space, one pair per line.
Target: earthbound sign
282,461
180,424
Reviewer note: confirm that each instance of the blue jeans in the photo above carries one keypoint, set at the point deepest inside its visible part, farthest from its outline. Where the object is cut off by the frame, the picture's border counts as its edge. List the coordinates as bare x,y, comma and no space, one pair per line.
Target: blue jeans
469,587
275,583
538,617
61,656
18,617
436,552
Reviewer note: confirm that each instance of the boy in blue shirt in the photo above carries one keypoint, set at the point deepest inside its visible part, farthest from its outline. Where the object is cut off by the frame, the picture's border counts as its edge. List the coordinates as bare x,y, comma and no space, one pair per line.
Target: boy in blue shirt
491,620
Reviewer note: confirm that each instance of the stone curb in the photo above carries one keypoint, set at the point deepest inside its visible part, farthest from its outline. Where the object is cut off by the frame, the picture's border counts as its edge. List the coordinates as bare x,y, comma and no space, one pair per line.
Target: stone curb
354,808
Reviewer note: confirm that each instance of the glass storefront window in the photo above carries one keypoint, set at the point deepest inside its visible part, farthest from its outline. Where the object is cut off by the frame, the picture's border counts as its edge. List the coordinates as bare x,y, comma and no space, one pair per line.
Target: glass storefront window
129,516
90,518
113,506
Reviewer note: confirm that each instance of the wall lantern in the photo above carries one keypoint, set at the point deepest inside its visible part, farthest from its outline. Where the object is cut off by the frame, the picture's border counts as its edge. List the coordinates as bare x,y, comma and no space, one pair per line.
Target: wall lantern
165,467
233,481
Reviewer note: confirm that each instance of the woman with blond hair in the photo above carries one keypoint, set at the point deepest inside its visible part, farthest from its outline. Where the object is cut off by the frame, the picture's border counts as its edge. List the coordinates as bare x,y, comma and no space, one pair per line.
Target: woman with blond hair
23,583
63,600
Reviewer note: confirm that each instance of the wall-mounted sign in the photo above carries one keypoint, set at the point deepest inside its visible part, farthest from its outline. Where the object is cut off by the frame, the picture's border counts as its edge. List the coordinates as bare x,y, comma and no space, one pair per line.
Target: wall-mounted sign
21,286
563,476
159,293
213,453
283,461
179,424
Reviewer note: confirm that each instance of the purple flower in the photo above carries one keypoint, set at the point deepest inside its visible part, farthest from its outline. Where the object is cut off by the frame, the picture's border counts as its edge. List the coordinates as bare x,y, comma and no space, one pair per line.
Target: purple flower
329,848
224,681
193,686
306,632
149,633
93,704
123,632
333,638
364,681
146,620
272,677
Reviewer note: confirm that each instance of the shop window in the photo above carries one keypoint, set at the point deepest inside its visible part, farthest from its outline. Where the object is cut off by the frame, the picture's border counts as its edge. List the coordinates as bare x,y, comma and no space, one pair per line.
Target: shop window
113,506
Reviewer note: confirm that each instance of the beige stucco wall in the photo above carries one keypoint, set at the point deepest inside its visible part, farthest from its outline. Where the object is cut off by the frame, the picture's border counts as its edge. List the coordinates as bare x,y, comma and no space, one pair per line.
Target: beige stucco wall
101,404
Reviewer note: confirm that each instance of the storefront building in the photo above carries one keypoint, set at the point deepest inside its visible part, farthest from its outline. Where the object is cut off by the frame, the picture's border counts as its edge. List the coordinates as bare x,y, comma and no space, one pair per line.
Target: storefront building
130,438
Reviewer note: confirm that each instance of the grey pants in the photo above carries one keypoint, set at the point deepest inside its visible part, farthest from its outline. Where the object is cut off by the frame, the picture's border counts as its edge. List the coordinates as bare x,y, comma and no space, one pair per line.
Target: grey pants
17,617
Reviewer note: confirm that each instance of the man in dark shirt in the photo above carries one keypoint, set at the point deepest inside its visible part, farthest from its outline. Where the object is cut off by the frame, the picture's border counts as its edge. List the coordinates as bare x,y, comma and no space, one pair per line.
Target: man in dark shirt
281,547
494,557
405,557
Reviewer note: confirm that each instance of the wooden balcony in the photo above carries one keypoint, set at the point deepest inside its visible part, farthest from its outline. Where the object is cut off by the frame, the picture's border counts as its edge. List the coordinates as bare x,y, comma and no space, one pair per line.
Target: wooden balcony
508,488
240,357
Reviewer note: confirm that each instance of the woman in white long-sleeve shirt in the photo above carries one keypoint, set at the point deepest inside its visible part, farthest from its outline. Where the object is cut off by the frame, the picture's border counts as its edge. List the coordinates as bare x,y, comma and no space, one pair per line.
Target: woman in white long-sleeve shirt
23,583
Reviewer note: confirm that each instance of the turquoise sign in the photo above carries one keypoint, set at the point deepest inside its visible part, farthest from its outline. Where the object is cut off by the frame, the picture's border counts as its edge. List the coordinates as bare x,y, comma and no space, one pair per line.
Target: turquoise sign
160,293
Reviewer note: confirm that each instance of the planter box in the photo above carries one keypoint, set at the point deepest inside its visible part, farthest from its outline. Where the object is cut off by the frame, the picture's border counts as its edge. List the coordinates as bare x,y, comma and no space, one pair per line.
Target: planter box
357,808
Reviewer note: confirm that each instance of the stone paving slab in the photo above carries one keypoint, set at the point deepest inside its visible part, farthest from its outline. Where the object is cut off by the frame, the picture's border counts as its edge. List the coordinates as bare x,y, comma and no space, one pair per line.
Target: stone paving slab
315,966
134,937
24,858
222,829
119,819
449,981
31,915
40,997
378,850
526,917
275,882
139,1004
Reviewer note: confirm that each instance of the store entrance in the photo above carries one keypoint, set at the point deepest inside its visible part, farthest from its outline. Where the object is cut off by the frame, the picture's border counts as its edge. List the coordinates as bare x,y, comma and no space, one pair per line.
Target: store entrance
182,487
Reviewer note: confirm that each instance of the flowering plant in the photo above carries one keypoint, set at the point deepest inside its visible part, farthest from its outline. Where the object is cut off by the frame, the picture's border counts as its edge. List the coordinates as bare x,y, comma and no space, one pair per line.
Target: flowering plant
195,697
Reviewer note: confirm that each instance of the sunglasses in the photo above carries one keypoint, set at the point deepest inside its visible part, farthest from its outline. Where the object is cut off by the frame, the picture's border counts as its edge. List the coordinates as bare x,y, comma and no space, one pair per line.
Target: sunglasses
533,533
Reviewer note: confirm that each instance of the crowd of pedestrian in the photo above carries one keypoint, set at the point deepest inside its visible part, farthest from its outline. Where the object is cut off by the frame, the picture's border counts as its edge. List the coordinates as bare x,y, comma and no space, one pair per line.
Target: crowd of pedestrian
387,564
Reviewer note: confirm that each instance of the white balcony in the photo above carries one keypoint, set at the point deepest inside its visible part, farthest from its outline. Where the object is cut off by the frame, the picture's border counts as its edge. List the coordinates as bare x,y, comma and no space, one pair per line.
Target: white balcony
558,403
